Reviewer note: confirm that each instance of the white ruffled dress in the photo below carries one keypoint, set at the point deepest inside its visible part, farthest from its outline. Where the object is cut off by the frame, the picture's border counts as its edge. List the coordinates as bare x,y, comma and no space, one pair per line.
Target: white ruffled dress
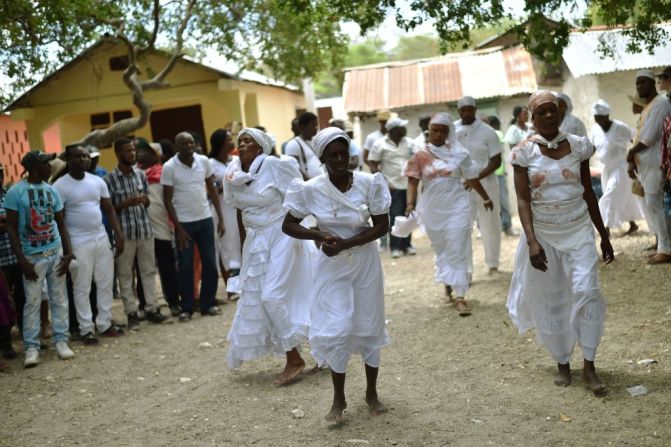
444,207
347,310
272,315
564,304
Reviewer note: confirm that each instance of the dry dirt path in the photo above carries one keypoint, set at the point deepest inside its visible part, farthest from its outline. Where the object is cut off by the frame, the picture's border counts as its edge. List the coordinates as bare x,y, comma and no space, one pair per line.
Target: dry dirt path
447,380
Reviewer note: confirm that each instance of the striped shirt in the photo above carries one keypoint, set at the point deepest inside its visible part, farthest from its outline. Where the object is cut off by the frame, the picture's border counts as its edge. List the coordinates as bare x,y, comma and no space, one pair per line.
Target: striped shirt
7,256
134,220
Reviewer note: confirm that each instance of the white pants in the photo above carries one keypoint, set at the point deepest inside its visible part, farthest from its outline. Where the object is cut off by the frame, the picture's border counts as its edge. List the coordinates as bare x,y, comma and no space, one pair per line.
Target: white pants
146,262
95,260
654,214
489,223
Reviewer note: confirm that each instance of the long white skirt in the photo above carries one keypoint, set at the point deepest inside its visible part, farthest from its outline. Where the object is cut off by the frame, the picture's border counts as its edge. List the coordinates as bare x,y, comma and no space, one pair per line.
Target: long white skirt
450,259
347,314
618,204
564,303
228,246
272,315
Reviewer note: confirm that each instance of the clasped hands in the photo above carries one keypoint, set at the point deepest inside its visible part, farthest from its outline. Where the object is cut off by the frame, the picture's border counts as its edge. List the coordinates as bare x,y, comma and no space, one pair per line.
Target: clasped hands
332,245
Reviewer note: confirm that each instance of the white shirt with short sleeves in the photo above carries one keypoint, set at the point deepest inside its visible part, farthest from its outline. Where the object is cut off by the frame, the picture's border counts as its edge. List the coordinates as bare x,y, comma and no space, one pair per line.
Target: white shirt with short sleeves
480,140
371,139
81,199
392,159
308,162
189,193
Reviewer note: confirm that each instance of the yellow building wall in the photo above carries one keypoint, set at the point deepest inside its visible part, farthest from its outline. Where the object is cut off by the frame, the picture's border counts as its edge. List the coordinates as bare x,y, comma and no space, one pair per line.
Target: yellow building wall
89,87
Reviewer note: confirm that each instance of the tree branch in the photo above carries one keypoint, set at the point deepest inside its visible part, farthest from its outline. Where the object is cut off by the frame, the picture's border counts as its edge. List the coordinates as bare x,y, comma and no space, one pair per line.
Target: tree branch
156,16
158,81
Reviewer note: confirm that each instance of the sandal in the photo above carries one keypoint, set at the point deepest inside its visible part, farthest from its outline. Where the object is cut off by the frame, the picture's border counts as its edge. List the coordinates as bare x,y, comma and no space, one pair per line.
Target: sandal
462,307
660,258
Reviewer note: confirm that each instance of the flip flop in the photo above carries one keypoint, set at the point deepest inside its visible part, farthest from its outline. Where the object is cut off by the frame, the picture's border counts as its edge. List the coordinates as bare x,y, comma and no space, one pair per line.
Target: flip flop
660,258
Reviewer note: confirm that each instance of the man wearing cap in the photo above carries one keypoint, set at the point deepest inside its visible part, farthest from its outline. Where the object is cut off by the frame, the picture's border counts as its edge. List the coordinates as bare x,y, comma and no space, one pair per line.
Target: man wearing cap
373,137
610,139
644,160
569,122
388,156
41,242
484,146
83,196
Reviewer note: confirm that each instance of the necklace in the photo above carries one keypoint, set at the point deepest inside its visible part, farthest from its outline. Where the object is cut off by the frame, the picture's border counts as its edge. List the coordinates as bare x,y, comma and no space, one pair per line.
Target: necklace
337,205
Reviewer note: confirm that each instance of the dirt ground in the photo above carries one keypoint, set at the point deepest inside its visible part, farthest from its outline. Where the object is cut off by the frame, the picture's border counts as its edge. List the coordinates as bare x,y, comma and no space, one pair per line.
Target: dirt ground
447,380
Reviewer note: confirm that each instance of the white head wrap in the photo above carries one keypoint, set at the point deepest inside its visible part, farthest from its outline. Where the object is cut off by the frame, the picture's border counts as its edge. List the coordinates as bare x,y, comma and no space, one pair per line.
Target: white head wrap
564,97
645,74
446,120
466,101
261,138
601,108
395,122
325,136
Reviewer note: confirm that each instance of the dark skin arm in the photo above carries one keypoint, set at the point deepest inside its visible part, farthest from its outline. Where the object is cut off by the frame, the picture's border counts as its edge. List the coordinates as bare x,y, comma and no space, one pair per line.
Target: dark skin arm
536,252
27,267
181,235
59,217
141,199
333,245
492,166
374,166
595,215
241,227
631,159
108,208
473,183
214,197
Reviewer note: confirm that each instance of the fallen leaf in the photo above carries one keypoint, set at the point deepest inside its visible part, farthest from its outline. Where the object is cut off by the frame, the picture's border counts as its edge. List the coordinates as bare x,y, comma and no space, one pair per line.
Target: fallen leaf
564,418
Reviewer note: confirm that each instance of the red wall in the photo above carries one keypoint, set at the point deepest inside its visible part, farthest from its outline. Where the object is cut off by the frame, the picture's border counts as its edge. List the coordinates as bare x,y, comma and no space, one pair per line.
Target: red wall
13,144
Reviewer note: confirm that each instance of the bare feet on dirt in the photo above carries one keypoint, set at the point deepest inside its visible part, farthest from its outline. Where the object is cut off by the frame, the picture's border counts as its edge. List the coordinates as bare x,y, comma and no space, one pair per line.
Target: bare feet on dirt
335,415
563,377
592,380
290,373
375,407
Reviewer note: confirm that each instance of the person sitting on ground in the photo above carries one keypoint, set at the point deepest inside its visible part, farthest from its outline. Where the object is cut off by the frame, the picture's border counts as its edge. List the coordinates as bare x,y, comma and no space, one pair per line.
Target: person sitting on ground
555,284
347,310
83,196
41,243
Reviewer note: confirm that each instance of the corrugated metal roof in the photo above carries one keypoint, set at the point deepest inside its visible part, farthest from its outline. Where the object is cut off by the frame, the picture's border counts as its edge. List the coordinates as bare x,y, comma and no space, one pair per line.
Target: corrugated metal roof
583,58
482,74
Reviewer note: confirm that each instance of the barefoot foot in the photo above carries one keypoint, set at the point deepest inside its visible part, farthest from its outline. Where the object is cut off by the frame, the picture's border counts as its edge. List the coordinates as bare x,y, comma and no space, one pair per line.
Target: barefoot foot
290,373
563,377
335,415
375,407
593,382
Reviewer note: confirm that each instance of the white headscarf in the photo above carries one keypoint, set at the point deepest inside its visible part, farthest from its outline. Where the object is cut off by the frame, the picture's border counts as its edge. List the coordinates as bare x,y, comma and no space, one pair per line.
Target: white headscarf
564,97
466,101
325,136
261,138
601,108
444,119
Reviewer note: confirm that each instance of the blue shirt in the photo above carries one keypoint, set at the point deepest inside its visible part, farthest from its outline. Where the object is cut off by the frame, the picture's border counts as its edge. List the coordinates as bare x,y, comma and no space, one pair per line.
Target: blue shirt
36,205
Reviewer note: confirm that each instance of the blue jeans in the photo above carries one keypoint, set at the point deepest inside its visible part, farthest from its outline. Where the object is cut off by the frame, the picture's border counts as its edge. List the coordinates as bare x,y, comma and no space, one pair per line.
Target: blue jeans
201,233
46,266
397,208
506,219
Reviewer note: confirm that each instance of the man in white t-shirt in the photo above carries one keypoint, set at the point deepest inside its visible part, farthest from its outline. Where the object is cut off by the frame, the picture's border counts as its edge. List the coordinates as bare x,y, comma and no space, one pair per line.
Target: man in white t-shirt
382,117
83,194
484,146
388,156
301,149
187,180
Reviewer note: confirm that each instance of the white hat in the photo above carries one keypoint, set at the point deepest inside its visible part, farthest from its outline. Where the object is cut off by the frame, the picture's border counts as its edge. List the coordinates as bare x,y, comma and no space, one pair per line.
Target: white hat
466,101
645,74
601,108
445,119
395,122
567,100
325,136
261,138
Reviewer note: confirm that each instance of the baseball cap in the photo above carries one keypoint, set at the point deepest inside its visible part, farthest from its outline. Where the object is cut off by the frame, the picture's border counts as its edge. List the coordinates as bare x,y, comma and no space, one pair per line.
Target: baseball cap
34,158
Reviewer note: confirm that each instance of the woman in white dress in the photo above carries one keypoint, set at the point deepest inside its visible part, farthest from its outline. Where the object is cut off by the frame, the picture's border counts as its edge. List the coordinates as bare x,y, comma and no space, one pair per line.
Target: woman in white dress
229,253
555,285
347,311
611,139
443,208
272,315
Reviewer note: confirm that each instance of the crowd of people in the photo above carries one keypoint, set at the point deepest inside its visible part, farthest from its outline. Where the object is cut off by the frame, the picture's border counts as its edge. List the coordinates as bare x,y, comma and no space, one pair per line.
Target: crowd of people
296,232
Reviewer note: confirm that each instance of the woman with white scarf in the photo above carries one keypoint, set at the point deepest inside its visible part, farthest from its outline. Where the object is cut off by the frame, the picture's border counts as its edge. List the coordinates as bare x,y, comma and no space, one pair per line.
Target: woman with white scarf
444,207
555,285
347,311
272,313
570,123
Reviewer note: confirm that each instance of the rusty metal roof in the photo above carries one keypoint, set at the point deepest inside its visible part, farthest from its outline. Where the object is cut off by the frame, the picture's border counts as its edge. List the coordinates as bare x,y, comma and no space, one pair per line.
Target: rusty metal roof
482,74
